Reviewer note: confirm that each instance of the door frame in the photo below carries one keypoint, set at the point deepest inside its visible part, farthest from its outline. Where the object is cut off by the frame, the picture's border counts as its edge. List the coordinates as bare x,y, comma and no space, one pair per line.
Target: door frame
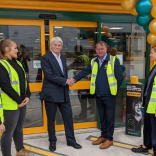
34,87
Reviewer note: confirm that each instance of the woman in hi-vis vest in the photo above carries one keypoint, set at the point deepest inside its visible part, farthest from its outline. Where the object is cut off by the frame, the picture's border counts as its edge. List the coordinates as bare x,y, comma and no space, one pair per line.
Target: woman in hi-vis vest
14,95
149,104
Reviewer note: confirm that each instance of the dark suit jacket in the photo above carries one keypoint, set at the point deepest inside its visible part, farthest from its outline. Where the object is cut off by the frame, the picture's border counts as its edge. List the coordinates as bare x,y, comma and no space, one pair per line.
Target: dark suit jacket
54,87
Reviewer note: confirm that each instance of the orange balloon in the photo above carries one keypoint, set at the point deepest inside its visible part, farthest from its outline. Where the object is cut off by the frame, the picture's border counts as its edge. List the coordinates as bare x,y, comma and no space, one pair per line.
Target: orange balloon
153,1
152,26
105,30
110,35
151,39
128,5
134,12
153,11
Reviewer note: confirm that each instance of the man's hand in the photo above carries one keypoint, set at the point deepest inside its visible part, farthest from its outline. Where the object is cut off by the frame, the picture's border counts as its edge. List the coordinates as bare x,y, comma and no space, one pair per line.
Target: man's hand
2,128
70,82
155,114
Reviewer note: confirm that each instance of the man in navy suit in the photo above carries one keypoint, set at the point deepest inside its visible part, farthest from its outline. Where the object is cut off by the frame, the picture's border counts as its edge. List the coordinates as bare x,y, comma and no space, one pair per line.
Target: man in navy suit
55,93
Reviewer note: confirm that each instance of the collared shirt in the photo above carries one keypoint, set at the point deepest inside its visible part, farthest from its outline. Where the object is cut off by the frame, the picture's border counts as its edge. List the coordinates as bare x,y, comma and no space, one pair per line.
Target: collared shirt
100,62
58,60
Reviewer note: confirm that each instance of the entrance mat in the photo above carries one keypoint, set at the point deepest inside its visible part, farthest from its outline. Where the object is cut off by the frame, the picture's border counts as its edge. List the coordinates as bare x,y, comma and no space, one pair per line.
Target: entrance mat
41,151
116,143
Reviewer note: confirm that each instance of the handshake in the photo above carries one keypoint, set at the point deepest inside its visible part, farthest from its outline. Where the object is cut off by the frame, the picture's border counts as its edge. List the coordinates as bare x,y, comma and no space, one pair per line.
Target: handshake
70,82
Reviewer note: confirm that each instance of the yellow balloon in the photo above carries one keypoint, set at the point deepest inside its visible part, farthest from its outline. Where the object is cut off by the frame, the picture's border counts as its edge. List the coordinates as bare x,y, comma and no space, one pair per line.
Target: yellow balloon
151,39
110,35
153,11
153,1
128,5
134,12
152,26
105,30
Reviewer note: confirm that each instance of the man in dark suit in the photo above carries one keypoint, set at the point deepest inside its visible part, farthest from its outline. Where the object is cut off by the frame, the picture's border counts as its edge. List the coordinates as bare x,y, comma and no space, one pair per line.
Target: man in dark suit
55,93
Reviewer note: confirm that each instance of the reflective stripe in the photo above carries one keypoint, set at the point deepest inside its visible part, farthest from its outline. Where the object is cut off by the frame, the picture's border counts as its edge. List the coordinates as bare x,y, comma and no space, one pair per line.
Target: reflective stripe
111,75
152,100
1,106
93,62
154,89
111,61
1,92
9,70
93,75
92,84
14,82
113,84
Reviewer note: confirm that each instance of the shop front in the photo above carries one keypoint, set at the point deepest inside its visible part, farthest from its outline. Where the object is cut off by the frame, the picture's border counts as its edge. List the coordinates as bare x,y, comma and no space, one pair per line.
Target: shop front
80,31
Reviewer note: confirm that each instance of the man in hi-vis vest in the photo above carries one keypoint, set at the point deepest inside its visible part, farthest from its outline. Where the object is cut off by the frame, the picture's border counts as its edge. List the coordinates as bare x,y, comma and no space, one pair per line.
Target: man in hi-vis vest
106,78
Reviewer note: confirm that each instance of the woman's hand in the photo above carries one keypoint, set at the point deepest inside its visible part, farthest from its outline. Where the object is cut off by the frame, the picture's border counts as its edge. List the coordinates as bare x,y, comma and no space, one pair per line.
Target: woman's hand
2,128
24,102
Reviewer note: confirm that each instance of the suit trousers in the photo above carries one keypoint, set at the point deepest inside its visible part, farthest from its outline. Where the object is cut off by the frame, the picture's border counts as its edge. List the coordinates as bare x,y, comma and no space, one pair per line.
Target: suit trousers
66,112
106,110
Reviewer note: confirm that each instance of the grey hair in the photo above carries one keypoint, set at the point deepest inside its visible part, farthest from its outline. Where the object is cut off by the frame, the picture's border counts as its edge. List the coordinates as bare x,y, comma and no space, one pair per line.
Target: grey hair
56,39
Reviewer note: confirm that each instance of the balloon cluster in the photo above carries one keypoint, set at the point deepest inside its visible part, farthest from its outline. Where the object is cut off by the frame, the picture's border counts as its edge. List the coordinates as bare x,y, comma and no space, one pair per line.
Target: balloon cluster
107,38
145,10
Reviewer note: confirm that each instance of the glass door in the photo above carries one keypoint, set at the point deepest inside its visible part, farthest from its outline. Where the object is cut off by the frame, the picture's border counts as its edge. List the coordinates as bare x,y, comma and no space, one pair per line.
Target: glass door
79,39
30,38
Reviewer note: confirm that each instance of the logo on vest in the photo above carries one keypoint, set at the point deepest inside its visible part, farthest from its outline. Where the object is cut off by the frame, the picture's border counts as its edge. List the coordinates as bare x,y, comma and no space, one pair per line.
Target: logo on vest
105,67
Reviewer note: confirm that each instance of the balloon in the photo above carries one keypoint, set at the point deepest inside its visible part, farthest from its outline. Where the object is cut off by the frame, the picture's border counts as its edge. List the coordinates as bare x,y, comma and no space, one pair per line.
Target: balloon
89,34
134,12
146,28
105,38
153,1
128,5
151,39
144,20
153,11
152,27
105,29
143,7
110,35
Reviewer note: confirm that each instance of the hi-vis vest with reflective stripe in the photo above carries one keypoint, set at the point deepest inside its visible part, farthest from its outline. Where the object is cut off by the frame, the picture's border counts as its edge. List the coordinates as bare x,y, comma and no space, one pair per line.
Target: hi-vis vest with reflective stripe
85,58
1,111
7,102
110,75
151,109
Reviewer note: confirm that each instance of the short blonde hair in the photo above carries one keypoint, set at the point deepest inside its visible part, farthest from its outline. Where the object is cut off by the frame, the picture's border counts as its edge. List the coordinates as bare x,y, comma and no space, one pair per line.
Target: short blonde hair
56,39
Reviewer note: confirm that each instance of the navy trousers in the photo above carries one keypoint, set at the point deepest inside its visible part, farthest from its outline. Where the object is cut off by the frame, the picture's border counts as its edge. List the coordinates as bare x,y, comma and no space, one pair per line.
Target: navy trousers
150,131
106,110
66,112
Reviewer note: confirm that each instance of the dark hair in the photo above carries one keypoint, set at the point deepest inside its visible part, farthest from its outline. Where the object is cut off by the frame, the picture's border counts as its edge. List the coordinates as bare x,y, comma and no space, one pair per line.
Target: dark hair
154,47
22,46
76,48
3,45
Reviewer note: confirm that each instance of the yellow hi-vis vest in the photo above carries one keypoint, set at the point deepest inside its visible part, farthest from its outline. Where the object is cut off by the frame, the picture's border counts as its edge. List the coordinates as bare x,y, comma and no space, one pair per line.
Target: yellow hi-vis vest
110,75
1,111
151,109
7,102
85,58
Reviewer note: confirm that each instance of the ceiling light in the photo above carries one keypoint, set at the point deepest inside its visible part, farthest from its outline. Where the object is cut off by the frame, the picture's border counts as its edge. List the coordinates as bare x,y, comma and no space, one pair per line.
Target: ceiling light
117,28
1,34
58,27
101,32
46,34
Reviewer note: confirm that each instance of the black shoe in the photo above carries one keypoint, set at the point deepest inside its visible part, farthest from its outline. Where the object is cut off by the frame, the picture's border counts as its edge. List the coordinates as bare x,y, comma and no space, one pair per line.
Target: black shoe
140,149
52,146
75,145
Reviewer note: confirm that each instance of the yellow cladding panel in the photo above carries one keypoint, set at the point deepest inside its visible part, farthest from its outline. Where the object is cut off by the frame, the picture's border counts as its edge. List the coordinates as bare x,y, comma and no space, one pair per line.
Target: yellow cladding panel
85,6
